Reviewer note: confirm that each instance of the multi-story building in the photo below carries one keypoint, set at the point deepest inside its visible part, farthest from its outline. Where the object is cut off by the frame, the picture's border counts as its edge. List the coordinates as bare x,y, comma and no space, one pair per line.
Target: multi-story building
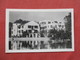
17,30
48,24
14,30
32,29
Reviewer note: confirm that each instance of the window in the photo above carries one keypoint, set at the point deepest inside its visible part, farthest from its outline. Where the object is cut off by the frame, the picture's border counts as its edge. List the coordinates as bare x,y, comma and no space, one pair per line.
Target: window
59,25
43,23
48,26
36,26
51,26
55,26
22,31
60,22
55,21
42,42
29,31
62,26
29,26
19,31
22,27
45,26
36,31
30,41
49,22
19,27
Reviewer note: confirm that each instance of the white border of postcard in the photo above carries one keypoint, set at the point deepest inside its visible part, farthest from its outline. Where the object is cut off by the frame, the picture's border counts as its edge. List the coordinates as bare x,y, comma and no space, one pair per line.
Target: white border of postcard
37,10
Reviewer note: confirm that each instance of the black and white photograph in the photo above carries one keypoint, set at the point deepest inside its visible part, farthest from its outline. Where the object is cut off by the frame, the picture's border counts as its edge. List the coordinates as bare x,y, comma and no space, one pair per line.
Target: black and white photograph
39,30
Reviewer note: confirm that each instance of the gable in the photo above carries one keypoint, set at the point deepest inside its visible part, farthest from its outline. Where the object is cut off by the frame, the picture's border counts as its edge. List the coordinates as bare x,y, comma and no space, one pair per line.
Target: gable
32,23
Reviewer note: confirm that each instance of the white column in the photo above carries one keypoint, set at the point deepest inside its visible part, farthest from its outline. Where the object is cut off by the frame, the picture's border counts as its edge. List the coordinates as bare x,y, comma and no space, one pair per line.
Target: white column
20,45
14,45
39,45
35,35
33,44
39,34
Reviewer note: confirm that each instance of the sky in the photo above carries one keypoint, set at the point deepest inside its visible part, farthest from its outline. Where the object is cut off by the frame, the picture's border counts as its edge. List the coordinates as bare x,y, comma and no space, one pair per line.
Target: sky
37,16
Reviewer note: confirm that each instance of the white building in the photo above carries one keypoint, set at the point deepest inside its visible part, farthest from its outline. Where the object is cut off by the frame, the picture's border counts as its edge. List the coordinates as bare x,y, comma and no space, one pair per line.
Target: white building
49,24
14,30
32,29
17,30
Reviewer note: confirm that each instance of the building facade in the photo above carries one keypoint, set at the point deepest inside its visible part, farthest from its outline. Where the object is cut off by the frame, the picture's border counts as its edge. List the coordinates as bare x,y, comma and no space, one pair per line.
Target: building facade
47,25
32,32
32,29
17,30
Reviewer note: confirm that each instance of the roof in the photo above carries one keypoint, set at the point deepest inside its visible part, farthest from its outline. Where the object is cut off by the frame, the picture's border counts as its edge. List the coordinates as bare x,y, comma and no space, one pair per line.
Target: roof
32,23
20,21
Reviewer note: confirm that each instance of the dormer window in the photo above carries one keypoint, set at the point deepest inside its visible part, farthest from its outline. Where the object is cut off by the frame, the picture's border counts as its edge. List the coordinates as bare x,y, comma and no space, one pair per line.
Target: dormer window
49,22
29,26
36,26
19,27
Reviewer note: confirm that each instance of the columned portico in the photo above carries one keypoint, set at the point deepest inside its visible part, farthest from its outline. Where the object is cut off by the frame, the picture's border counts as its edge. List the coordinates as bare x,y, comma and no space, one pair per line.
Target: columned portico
33,35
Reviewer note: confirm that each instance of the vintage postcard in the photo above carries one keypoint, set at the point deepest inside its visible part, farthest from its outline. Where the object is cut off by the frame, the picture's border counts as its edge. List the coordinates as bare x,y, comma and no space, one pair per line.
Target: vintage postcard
39,30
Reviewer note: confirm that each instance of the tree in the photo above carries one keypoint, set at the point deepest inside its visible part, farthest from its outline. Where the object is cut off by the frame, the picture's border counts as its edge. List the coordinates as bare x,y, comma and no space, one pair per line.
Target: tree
68,25
18,21
68,29
52,34
43,33
68,22
21,21
10,27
